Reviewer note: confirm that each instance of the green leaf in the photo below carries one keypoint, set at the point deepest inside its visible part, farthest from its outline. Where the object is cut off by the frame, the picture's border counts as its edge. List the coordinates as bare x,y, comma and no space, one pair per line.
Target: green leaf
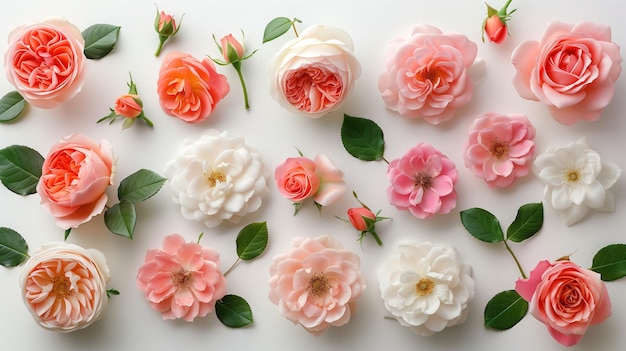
482,224
252,240
233,311
112,292
20,169
13,247
11,106
505,310
527,223
140,186
610,262
362,138
275,28
100,39
121,219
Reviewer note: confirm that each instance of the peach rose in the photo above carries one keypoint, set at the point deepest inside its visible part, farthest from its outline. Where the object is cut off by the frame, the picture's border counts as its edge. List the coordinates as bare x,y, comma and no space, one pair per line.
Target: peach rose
566,298
572,69
74,179
357,216
189,88
45,61
128,105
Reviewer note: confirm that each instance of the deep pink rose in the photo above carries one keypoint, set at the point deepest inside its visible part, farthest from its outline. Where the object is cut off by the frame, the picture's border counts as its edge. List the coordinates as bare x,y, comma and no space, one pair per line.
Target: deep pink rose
422,181
128,105
566,298
572,69
74,179
357,216
45,61
495,29
426,75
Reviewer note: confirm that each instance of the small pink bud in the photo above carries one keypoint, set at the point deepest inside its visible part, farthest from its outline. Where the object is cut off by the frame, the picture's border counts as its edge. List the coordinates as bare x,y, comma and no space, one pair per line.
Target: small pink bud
128,106
166,25
356,215
495,29
235,44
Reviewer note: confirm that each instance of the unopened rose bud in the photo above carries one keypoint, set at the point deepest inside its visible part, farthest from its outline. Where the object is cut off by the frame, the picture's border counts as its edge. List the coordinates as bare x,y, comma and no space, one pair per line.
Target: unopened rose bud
128,105
165,26
357,217
495,29
235,53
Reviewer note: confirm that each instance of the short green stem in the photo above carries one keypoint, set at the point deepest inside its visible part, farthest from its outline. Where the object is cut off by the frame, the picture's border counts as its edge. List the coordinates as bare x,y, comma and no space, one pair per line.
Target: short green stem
243,85
231,267
162,39
502,11
519,266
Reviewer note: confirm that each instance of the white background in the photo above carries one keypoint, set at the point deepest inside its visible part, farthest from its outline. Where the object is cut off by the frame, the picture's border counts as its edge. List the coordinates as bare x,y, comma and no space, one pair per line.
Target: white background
131,324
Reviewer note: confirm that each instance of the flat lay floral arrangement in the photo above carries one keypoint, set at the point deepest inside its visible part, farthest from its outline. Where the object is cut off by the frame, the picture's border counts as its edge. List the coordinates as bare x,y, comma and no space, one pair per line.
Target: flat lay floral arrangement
217,180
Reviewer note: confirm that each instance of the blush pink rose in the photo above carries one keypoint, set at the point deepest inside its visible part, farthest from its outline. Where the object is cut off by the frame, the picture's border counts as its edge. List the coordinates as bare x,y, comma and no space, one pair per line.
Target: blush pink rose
128,105
426,75
74,178
566,298
316,283
182,280
45,61
422,182
500,148
235,44
189,88
572,69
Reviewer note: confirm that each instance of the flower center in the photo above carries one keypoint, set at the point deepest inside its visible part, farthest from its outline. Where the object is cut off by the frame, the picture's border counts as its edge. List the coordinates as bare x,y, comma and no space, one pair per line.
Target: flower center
216,176
181,278
572,176
423,179
318,285
61,287
424,287
433,75
498,149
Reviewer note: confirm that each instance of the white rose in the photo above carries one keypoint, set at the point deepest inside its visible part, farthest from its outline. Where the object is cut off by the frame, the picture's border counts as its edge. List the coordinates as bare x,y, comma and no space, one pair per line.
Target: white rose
426,287
315,72
216,177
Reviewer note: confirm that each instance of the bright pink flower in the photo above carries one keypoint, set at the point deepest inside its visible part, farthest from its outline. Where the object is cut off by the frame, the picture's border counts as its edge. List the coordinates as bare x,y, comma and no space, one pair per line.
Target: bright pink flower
426,75
566,298
422,181
183,280
316,283
357,217
572,69
128,106
500,148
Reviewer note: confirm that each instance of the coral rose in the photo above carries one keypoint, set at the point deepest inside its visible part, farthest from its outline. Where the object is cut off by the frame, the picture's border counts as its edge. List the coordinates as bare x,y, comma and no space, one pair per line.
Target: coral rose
64,286
357,216
572,69
566,298
189,88
128,105
74,179
45,61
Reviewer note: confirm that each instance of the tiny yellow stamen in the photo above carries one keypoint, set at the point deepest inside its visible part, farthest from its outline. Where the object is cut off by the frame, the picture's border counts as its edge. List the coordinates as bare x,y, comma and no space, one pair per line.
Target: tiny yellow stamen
181,278
216,176
424,287
318,285
498,149
61,287
572,176
422,179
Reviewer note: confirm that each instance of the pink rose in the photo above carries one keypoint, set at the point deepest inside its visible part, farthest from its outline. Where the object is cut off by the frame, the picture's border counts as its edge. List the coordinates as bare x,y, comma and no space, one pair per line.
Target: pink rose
183,280
128,105
357,216
230,40
316,283
495,29
74,179
426,75
572,69
422,181
566,298
188,88
45,61
500,148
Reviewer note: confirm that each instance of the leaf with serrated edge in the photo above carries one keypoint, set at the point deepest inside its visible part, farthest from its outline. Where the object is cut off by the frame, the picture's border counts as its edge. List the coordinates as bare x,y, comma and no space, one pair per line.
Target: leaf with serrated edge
527,223
11,106
275,28
610,262
505,310
121,219
362,138
233,311
140,186
100,39
20,169
252,240
482,224
13,247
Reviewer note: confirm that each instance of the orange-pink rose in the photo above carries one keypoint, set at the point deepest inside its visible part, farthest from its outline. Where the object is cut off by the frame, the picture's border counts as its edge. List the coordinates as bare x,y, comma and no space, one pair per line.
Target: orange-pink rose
189,88
357,217
45,61
128,105
74,178
235,44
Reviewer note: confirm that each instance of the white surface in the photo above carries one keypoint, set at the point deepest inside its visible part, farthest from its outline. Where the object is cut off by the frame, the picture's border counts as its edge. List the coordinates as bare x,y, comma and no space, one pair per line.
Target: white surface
130,323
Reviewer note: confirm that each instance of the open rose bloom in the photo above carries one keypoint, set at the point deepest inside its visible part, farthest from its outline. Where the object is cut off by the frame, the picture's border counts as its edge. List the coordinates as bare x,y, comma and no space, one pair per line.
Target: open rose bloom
572,69
316,283
314,73
45,61
64,286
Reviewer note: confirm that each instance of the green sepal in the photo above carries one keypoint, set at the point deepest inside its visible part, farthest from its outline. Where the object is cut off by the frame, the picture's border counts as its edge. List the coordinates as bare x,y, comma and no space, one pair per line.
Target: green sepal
233,311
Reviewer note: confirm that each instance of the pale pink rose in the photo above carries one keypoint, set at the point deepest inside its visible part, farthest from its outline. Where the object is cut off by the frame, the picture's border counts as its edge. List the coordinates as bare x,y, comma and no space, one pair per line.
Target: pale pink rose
74,179
315,72
64,286
332,184
500,148
183,280
426,75
316,283
189,88
566,298
128,105
572,69
422,181
45,61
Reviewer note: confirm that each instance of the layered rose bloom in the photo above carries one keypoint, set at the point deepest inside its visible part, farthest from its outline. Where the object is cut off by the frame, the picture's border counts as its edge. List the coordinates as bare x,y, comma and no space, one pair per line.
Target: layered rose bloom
314,73
74,178
427,75
566,298
316,283
572,69
45,61
64,286
189,88
499,148
216,177
422,181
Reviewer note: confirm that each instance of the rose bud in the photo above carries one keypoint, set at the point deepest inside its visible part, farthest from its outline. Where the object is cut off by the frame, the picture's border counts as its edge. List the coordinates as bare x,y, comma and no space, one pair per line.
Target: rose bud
357,217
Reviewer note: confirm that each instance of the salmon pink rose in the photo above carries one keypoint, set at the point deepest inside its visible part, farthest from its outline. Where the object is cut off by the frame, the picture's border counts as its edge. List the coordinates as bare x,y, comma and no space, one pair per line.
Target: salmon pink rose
572,69
128,105
357,216
566,298
74,179
45,61
189,88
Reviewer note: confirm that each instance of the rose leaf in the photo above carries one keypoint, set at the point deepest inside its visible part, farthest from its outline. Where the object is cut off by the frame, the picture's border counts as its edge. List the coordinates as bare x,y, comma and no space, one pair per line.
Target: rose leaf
20,169
11,106
252,240
527,223
362,138
140,186
275,28
505,310
610,262
121,219
482,224
100,39
13,247
233,311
